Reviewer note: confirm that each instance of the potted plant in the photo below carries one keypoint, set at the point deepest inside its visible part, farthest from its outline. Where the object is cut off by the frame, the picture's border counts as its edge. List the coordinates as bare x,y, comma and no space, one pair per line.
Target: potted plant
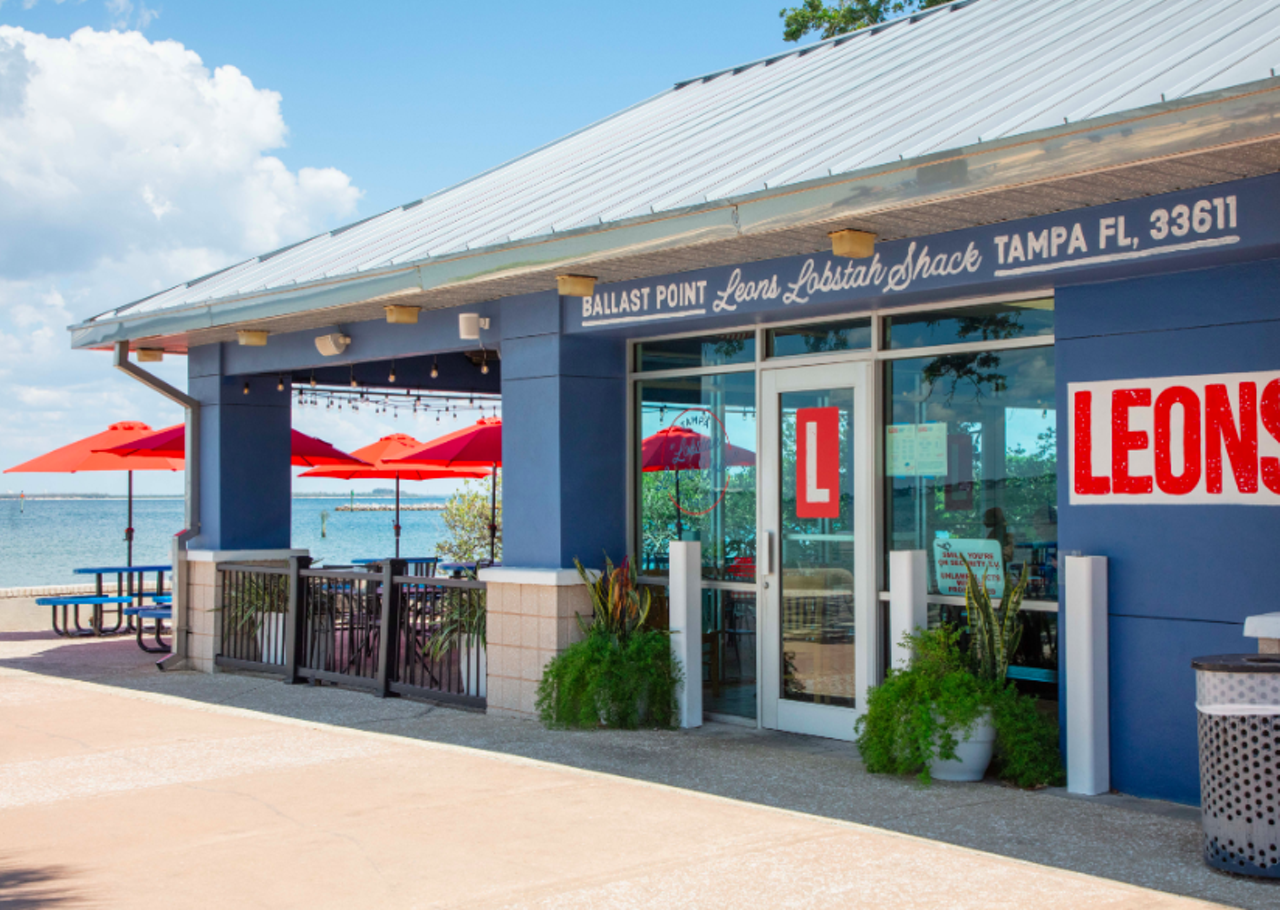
260,605
621,674
952,709
461,626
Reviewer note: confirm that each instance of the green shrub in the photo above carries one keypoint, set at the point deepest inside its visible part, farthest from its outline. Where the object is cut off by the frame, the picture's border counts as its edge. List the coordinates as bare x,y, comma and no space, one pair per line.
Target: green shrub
1026,742
606,681
920,713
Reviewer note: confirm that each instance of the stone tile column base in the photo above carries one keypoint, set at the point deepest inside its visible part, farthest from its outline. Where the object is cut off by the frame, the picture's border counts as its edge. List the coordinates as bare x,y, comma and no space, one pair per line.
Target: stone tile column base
530,618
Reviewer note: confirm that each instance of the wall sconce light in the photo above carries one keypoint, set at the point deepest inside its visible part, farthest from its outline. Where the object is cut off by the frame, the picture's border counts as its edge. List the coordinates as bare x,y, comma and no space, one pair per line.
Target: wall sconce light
333,344
150,355
853,244
251,338
469,326
402,315
576,285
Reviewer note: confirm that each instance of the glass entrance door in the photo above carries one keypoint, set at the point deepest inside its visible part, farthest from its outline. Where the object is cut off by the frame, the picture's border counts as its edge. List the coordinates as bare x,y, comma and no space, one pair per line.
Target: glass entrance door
818,584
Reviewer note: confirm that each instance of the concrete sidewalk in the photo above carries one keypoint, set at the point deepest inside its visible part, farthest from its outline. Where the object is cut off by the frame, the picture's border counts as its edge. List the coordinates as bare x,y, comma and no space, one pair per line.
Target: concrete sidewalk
1142,842
122,798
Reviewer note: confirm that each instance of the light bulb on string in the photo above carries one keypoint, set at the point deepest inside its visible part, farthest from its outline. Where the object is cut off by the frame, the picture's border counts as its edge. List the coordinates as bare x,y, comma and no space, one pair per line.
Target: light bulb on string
246,387
353,377
435,368
392,376
280,384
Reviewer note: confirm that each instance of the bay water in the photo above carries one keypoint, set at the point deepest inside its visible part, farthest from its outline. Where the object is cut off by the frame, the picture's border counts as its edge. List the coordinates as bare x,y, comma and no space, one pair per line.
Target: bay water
42,540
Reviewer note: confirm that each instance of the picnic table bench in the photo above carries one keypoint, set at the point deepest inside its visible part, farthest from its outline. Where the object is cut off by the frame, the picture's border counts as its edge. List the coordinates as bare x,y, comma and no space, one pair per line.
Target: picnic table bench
71,605
159,615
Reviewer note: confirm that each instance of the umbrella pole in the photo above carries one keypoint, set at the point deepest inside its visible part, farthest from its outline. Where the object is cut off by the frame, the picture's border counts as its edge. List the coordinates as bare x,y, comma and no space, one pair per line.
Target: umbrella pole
397,516
128,531
493,515
679,523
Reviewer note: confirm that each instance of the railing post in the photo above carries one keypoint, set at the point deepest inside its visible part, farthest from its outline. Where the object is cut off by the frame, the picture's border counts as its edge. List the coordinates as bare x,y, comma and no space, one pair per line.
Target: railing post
684,606
908,606
1088,692
389,632
294,632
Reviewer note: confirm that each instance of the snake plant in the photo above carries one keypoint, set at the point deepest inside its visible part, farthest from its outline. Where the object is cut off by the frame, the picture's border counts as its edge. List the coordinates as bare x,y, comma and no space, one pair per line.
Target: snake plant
996,630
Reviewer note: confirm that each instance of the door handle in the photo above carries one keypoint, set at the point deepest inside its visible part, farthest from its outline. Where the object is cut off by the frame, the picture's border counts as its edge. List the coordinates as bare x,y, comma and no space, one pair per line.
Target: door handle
768,553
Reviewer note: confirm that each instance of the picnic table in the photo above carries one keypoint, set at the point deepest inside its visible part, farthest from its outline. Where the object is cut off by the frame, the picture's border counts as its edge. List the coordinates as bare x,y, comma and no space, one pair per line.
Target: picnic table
424,566
130,580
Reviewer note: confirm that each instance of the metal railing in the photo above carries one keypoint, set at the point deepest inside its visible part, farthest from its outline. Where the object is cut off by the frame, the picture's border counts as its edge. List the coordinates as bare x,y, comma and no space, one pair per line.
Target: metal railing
254,609
383,630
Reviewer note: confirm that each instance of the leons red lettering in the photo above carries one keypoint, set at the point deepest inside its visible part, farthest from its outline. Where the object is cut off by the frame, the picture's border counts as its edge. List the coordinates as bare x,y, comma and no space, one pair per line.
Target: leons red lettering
1124,440
1241,440
1270,413
1166,480
1086,483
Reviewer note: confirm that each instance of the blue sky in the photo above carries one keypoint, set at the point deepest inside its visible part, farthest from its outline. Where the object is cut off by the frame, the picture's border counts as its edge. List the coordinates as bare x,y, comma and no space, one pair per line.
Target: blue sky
407,97
295,118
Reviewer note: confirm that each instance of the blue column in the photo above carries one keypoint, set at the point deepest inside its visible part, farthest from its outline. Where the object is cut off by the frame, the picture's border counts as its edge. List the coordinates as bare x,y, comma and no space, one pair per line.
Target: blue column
564,438
245,482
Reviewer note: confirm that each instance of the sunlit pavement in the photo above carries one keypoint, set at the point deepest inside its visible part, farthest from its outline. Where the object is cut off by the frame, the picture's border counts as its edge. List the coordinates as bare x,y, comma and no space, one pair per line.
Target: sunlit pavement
115,791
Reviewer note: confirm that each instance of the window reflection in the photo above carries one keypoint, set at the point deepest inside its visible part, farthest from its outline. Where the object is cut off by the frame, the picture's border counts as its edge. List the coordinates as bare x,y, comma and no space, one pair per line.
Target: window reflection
971,459
696,472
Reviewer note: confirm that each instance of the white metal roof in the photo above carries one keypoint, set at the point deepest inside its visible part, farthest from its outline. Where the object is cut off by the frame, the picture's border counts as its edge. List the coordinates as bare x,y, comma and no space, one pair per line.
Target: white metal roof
973,71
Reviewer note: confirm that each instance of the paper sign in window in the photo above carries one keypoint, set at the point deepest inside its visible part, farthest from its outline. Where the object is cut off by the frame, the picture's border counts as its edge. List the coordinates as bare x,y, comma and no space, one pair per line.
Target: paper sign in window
818,462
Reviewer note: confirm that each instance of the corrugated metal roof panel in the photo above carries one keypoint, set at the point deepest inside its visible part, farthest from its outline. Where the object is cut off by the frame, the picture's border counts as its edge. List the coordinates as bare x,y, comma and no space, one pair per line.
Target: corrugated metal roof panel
969,72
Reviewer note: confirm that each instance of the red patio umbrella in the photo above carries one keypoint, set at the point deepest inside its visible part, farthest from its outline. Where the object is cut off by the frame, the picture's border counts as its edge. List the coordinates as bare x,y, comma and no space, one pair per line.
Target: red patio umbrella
479,445
89,454
304,451
375,464
679,449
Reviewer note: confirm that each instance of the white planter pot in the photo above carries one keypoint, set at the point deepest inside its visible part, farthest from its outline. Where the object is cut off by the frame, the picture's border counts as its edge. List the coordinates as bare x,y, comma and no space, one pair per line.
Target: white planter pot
475,669
973,754
271,638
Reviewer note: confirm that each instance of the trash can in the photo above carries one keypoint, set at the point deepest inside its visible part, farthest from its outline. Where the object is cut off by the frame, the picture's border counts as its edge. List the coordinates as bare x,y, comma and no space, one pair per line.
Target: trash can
1238,703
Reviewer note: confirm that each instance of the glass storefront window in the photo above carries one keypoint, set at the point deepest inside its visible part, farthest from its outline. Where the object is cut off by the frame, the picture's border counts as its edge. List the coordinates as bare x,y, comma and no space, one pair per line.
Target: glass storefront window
696,472
820,338
971,462
694,353
729,652
969,325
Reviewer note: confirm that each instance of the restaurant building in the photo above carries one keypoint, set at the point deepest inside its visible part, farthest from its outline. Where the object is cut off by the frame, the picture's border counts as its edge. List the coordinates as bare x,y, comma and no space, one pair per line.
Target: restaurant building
999,279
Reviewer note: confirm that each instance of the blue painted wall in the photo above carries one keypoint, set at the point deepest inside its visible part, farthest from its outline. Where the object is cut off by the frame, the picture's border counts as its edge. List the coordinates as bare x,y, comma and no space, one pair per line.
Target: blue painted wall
245,481
564,435
1182,578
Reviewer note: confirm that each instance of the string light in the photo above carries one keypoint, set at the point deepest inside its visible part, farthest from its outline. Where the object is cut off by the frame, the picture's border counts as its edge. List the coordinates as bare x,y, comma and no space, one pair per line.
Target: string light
435,368
392,377
353,377
313,379
280,384
246,387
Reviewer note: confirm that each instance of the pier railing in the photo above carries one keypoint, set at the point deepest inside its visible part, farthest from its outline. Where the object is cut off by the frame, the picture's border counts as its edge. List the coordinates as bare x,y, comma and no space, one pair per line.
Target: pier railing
380,629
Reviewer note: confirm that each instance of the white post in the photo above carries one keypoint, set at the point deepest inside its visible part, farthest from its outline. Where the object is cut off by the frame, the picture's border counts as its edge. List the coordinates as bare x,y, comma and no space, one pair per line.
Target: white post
908,604
1088,715
685,610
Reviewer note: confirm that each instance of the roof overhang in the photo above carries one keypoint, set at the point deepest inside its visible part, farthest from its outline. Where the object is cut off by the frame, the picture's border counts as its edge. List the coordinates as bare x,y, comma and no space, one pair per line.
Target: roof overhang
1199,141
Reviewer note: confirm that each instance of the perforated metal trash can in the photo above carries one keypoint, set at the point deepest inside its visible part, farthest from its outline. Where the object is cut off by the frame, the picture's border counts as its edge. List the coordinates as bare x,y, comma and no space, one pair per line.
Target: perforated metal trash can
1238,703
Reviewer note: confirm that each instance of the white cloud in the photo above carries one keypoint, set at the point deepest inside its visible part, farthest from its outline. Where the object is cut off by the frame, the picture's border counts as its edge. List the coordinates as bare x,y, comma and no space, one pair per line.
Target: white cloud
126,166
